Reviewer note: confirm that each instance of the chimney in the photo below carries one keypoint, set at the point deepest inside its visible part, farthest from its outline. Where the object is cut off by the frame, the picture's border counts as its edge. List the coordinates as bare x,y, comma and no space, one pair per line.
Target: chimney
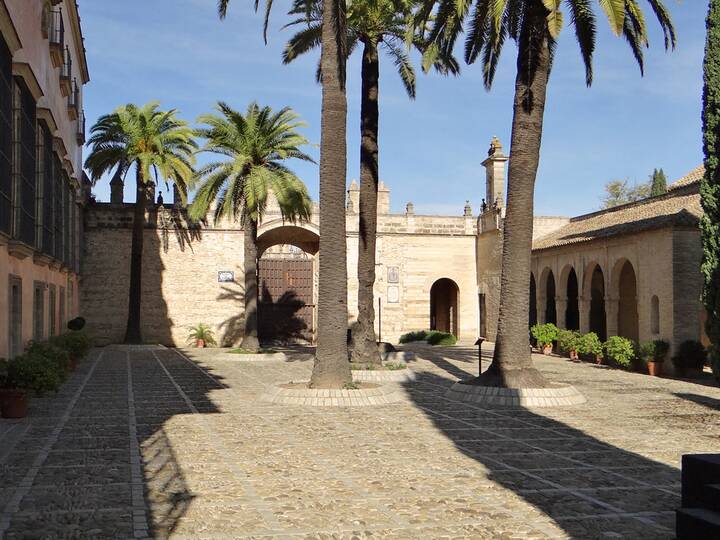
495,174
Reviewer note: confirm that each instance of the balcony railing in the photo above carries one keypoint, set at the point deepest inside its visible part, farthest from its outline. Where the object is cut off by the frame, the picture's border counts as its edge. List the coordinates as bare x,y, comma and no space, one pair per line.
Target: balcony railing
74,101
66,73
56,35
81,128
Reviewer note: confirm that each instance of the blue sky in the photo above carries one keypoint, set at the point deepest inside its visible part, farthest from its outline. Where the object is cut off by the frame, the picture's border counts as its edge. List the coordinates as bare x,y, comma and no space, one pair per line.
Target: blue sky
431,148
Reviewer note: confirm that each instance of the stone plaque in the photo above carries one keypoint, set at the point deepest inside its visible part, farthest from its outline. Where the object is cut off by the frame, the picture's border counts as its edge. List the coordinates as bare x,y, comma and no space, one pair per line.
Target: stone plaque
393,294
393,273
226,276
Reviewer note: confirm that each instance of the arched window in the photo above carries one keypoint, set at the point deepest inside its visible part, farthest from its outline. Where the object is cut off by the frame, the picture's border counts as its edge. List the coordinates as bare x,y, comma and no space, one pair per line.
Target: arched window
655,315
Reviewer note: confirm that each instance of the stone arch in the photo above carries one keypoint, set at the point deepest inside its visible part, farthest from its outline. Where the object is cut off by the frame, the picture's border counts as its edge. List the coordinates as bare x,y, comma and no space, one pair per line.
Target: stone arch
547,293
594,290
624,288
444,295
655,315
532,316
306,236
569,287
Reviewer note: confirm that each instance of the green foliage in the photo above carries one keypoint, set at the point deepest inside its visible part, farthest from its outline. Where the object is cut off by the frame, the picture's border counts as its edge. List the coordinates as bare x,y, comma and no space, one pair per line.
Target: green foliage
202,331
646,352
710,184
619,192
259,351
156,142
658,183
441,338
691,354
545,334
662,347
620,350
77,344
254,147
420,335
33,373
590,344
394,366
57,359
568,340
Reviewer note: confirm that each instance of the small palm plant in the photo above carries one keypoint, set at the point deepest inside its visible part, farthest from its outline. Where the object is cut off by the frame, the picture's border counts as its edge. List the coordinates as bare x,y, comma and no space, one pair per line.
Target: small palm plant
202,335
253,146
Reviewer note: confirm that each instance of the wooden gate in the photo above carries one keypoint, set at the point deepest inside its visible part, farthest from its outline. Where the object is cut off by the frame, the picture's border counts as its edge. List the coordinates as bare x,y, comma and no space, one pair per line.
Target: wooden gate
286,298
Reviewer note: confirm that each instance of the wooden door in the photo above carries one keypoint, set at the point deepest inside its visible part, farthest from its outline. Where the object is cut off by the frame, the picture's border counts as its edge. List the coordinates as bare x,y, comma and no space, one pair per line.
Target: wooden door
286,298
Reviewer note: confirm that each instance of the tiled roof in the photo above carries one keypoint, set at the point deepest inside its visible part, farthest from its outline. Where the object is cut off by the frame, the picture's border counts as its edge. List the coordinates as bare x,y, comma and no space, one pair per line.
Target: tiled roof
680,206
690,178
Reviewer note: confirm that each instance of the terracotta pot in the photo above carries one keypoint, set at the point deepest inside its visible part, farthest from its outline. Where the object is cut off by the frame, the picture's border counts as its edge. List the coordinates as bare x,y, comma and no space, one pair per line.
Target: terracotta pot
574,355
547,350
14,403
654,368
200,343
598,360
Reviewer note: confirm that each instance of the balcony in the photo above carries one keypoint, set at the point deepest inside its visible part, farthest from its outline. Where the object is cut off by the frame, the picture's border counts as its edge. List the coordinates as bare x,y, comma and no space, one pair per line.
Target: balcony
81,128
74,101
66,74
56,35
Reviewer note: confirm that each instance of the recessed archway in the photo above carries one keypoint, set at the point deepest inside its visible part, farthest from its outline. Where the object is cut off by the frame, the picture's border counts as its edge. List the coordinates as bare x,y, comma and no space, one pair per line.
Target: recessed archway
533,302
550,307
598,318
627,302
572,312
444,306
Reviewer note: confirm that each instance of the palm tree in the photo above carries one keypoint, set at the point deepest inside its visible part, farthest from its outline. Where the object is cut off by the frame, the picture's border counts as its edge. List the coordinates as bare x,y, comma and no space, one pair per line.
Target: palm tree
254,146
158,145
376,24
331,368
534,25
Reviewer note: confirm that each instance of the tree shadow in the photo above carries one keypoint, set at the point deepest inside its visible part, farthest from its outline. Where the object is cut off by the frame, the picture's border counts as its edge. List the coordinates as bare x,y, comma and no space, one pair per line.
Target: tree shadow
284,319
232,328
586,486
705,401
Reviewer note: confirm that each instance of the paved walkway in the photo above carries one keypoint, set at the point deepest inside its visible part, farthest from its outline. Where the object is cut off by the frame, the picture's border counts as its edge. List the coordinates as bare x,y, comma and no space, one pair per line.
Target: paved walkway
167,443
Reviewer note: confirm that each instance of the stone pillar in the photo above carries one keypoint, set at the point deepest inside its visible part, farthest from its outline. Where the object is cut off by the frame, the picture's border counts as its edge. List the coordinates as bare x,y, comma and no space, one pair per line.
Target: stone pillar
560,311
584,308
495,175
117,186
541,308
353,200
611,316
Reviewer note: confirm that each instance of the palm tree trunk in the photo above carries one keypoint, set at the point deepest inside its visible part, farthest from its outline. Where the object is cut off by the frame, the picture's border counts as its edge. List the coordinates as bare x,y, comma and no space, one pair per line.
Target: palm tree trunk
331,368
250,338
512,363
132,332
365,348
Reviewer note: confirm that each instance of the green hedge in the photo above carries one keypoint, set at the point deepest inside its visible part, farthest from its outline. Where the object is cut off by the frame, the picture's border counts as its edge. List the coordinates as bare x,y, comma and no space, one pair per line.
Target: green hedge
433,337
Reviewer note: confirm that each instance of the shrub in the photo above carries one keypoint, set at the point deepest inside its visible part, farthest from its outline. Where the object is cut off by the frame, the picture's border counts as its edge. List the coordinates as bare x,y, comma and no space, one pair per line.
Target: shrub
590,344
33,373
620,350
441,338
545,334
661,349
568,340
420,335
77,344
691,354
647,351
56,358
202,332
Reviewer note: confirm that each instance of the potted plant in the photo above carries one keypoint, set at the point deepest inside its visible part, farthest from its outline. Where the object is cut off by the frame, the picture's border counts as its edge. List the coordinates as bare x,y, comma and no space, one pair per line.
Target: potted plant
569,342
77,345
690,358
620,350
654,363
545,334
201,335
25,375
591,345
56,358
646,354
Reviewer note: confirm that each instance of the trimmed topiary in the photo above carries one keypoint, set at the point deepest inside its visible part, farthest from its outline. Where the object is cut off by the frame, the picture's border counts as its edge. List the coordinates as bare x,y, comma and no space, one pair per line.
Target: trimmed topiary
620,350
420,335
441,338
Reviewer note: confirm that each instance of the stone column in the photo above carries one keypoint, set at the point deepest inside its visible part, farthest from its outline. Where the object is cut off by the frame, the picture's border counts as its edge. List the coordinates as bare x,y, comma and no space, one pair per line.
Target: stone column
584,307
541,308
560,311
611,316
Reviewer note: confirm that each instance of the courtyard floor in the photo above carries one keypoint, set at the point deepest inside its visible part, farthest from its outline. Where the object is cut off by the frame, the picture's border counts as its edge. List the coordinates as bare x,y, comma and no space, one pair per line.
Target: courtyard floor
176,443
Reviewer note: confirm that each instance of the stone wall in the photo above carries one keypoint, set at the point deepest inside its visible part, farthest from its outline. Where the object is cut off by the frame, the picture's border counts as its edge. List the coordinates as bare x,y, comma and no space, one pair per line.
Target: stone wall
687,285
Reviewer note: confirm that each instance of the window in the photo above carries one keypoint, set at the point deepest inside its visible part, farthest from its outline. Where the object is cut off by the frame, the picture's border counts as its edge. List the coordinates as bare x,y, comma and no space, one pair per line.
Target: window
5,138
24,162
15,286
66,219
655,315
38,310
52,308
57,212
47,184
63,301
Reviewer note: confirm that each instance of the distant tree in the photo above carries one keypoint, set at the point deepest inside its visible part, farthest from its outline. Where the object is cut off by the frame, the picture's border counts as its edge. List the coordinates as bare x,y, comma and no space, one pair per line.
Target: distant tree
619,192
658,183
710,184
253,148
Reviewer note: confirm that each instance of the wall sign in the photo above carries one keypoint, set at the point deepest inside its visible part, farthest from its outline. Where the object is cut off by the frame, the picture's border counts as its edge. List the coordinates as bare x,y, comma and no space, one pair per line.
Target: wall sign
393,294
226,276
393,273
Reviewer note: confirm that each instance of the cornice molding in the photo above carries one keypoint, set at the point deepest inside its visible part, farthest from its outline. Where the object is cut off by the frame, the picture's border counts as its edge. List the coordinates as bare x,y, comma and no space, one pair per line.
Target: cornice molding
7,28
24,70
45,114
72,10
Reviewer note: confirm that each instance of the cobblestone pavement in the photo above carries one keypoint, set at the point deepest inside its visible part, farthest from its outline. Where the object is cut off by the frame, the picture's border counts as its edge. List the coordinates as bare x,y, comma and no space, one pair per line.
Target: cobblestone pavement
167,443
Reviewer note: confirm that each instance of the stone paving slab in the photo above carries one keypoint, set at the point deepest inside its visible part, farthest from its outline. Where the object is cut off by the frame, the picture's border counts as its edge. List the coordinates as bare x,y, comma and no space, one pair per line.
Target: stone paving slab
162,443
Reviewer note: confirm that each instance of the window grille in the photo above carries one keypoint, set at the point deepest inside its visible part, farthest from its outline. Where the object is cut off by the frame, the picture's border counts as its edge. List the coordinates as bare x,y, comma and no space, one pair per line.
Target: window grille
5,138
25,156
48,184
57,214
52,301
63,300
15,314
38,310
66,220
